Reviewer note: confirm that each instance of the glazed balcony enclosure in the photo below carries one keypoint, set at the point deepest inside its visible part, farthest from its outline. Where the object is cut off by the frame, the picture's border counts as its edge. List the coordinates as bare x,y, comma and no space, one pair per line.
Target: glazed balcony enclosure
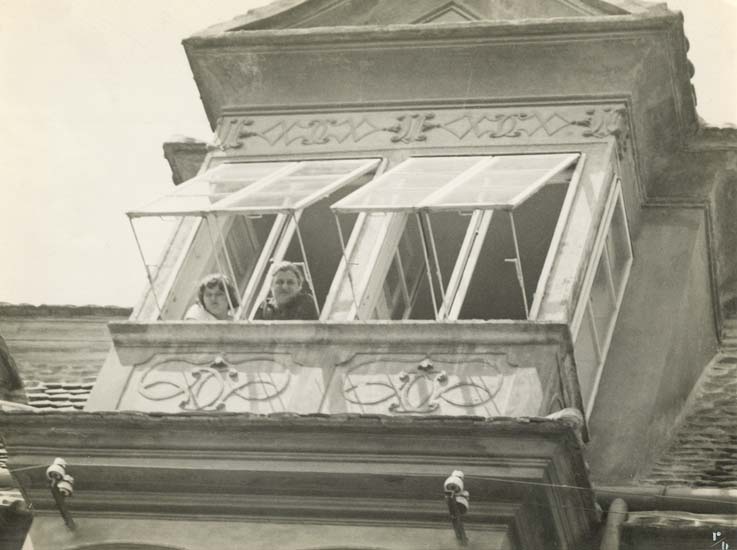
460,192
448,281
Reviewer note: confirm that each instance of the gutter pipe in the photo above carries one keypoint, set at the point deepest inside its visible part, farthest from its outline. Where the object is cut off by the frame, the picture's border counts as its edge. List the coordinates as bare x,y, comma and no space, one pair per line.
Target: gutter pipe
684,499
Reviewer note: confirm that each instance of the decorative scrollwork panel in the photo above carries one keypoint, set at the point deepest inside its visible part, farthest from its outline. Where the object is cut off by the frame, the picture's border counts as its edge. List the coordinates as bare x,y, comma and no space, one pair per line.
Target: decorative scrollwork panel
479,385
255,384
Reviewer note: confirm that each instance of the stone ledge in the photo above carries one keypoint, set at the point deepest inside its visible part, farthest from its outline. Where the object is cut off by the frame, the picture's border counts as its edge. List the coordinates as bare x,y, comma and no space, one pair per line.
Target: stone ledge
46,310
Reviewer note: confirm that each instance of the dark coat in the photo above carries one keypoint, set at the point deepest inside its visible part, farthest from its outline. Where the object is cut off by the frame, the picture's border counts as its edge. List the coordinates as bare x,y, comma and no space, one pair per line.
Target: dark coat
301,308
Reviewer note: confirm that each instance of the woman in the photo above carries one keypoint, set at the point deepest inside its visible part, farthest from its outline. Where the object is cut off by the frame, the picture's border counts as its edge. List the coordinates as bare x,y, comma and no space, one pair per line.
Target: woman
288,302
217,300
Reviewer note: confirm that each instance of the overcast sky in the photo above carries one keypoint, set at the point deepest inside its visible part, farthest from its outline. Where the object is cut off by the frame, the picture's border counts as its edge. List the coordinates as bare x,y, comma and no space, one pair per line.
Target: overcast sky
90,89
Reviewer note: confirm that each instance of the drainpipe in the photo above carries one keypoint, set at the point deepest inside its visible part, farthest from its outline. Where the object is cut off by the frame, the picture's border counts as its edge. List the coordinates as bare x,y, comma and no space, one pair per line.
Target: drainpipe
612,530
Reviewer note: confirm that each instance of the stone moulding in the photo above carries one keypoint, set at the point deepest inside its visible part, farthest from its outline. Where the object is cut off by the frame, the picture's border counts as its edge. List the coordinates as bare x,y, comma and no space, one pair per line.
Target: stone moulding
253,133
482,369
189,335
389,470
614,25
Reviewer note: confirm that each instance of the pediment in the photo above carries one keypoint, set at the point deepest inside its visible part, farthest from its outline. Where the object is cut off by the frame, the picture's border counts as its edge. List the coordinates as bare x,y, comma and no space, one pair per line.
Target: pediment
284,14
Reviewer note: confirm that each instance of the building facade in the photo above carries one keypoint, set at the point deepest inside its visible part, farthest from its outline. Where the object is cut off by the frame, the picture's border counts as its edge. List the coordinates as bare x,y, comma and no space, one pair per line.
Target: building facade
519,242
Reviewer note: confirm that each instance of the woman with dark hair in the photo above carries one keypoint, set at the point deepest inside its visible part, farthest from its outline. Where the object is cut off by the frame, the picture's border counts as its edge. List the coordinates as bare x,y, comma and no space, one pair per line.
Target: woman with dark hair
217,300
288,300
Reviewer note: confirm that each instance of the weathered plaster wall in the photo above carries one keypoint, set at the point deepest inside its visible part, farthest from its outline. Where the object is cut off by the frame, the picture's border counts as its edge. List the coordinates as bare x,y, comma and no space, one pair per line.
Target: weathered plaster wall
48,533
706,172
664,337
724,203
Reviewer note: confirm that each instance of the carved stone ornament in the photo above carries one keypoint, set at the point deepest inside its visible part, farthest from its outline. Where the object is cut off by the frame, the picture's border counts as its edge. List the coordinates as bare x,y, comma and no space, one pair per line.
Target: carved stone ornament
214,386
472,126
608,121
425,388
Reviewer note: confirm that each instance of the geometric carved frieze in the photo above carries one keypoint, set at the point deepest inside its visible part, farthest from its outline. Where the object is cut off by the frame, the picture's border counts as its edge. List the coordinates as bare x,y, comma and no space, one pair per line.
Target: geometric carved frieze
256,383
487,384
468,126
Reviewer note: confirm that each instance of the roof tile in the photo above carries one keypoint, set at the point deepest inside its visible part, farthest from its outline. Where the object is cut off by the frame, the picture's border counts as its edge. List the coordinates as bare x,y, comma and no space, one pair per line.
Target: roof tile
703,451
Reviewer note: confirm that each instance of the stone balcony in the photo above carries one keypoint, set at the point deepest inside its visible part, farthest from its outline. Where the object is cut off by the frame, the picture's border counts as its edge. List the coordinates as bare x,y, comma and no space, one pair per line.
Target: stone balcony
326,425
484,369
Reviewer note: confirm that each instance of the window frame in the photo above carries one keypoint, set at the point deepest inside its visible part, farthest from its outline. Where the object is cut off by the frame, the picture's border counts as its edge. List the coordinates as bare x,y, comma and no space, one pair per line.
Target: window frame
600,252
280,234
480,218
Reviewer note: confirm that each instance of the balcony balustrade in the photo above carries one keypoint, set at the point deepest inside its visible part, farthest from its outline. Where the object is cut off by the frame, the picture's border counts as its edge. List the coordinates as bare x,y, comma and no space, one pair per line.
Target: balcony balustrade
483,369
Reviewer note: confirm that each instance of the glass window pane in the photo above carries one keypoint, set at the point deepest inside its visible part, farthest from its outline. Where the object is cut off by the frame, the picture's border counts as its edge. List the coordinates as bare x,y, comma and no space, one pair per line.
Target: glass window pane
602,301
587,357
494,291
332,167
244,242
406,185
230,245
230,178
321,241
617,243
404,293
309,182
504,183
200,193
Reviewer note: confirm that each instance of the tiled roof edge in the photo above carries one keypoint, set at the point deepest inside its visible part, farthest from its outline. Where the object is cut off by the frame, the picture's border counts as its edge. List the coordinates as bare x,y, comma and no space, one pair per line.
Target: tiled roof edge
46,310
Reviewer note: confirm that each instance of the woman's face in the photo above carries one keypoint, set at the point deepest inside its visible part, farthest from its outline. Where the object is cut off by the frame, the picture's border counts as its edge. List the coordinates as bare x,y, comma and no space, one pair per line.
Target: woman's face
216,302
285,286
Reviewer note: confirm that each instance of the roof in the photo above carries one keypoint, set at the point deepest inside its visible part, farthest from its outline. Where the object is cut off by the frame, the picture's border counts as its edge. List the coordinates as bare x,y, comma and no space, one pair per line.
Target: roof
674,529
58,350
321,13
60,396
703,449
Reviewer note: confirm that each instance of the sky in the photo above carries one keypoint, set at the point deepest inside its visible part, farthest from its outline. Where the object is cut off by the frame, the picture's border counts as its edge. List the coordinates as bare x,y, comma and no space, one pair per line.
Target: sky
89,91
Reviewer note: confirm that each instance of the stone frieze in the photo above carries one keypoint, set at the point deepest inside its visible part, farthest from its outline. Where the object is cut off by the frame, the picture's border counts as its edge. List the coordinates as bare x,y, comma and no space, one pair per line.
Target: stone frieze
472,126
485,384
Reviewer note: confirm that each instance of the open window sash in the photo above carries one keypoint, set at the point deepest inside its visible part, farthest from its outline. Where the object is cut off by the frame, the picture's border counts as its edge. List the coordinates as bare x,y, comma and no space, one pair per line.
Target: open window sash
202,194
252,190
460,183
257,187
475,185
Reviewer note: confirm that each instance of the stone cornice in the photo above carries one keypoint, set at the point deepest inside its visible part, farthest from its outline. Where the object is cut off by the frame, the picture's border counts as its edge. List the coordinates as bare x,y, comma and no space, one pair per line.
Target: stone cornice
23,422
350,447
711,138
488,31
411,333
277,9
328,469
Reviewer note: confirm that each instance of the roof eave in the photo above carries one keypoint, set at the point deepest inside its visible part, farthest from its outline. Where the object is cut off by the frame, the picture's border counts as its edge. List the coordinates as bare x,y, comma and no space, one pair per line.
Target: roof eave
219,37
